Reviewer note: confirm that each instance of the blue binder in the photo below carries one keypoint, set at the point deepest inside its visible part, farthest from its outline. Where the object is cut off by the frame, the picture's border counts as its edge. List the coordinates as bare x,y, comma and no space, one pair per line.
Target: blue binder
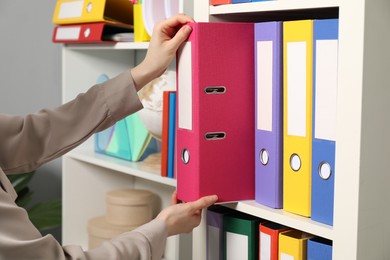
319,249
324,119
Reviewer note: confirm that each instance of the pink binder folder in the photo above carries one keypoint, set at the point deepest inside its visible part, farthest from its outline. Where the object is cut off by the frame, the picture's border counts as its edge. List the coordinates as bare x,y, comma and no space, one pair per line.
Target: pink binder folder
215,120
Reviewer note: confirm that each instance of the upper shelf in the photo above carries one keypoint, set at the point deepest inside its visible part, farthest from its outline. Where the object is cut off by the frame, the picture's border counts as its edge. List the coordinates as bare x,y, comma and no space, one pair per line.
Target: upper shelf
276,9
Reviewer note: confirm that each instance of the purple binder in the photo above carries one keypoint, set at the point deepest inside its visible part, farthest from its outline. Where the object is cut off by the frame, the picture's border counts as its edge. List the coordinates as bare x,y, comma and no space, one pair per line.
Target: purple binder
268,112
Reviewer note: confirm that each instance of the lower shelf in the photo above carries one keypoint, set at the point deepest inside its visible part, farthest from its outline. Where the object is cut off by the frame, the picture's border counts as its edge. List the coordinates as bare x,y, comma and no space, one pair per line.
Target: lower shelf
283,217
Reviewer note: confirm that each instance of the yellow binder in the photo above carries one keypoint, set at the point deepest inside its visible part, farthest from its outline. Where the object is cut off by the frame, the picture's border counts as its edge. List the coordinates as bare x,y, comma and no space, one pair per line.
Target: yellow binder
293,245
83,11
140,33
297,119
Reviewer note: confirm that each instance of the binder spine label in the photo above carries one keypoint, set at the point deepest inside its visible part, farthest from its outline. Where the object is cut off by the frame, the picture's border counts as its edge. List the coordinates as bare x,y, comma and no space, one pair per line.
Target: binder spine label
326,89
185,83
68,33
296,89
264,85
72,9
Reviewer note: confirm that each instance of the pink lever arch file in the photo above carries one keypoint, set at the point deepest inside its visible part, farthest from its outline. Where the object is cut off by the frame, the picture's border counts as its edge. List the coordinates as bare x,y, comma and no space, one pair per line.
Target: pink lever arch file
215,120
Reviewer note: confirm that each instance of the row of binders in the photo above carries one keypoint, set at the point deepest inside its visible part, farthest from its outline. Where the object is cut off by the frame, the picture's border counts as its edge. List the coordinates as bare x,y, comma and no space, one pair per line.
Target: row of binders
236,235
95,21
256,114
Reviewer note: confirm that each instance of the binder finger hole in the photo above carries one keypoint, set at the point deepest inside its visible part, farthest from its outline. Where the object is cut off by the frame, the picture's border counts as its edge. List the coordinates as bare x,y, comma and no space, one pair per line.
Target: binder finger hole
185,156
295,162
264,156
89,7
325,170
215,90
214,135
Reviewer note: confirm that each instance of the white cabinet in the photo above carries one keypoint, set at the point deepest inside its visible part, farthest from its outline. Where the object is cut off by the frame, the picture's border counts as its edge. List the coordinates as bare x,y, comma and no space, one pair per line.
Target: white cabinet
361,228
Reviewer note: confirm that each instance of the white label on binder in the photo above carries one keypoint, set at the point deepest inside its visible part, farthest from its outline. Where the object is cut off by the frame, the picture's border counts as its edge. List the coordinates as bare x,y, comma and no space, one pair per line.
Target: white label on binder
236,246
265,246
213,242
68,33
264,85
284,256
71,9
296,88
326,89
185,86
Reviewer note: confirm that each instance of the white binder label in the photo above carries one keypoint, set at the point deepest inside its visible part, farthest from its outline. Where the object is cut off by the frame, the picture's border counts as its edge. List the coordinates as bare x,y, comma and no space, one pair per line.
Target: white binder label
326,89
284,256
184,70
236,246
264,85
296,89
68,33
71,9
265,246
213,242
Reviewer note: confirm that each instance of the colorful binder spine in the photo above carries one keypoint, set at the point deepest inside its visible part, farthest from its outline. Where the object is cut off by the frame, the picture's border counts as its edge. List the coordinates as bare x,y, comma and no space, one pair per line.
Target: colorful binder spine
269,114
297,103
215,127
324,119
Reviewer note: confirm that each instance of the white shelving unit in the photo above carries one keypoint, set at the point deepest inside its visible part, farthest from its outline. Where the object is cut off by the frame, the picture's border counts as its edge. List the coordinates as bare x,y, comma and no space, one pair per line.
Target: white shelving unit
361,227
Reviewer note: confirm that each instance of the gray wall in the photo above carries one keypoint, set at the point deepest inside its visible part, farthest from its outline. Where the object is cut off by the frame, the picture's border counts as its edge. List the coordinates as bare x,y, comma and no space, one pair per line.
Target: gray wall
30,74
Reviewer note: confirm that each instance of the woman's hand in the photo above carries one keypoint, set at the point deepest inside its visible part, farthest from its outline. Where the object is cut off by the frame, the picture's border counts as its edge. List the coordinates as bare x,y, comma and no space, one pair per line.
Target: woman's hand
167,37
184,217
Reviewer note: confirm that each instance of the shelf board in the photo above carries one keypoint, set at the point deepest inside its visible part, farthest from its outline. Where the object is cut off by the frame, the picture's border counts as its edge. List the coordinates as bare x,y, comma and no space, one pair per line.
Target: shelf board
283,217
110,46
273,5
279,10
135,169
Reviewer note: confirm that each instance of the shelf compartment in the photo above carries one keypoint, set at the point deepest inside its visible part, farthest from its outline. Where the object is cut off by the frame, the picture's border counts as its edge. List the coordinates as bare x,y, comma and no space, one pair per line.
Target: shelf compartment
136,169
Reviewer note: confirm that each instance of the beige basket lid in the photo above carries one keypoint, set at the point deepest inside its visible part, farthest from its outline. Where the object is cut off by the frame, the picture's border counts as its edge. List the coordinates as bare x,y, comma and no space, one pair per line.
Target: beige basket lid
130,197
99,227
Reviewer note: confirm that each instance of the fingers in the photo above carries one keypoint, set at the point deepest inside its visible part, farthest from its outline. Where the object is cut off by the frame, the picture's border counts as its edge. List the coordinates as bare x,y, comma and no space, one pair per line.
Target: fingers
181,35
204,202
178,19
174,198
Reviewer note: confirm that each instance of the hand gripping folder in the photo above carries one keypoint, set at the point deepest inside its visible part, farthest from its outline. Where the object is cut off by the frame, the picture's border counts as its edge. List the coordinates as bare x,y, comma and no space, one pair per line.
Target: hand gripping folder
215,122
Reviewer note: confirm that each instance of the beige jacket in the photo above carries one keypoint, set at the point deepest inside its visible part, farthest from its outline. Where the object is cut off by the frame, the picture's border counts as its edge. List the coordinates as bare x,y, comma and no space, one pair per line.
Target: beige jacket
30,141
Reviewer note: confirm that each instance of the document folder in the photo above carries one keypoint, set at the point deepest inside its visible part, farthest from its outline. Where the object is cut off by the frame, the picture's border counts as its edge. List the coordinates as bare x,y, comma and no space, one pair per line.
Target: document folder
215,120
293,245
165,136
297,103
83,11
269,240
319,249
215,238
90,33
241,235
269,114
324,119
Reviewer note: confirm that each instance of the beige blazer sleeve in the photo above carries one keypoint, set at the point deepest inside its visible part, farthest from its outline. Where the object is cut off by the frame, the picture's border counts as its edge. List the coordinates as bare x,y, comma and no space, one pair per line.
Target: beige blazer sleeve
30,141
